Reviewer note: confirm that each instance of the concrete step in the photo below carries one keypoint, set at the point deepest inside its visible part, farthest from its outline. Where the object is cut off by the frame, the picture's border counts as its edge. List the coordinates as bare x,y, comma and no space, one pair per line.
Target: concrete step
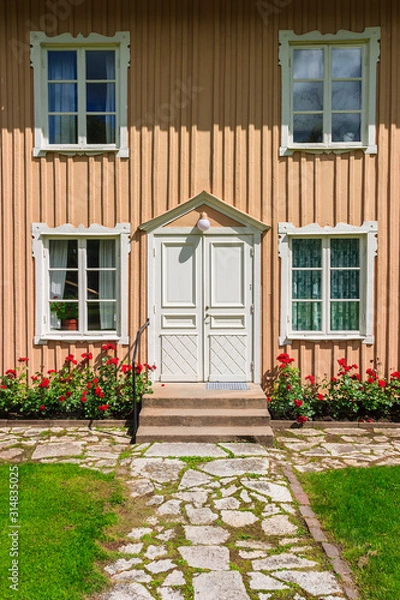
262,435
198,417
196,395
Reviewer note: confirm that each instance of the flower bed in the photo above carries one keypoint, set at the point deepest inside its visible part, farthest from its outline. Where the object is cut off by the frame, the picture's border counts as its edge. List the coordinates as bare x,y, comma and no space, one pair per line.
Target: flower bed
343,397
87,388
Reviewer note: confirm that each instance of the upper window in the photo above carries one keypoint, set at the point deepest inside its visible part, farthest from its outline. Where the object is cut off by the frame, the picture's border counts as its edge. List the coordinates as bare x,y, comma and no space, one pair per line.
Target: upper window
329,91
327,281
80,93
81,282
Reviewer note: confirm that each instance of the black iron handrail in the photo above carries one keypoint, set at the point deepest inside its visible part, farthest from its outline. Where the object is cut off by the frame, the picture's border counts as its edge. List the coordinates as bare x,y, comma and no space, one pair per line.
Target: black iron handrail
136,409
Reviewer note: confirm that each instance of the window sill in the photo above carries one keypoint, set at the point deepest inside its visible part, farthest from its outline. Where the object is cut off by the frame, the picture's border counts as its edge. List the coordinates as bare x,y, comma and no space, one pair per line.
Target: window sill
290,338
75,337
119,152
289,150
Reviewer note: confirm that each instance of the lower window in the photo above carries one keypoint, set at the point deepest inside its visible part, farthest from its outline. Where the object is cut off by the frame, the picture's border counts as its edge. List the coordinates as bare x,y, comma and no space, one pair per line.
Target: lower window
327,281
81,282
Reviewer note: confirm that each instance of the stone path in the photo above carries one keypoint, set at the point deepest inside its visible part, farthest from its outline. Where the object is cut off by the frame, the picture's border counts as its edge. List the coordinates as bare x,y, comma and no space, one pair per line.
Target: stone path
213,521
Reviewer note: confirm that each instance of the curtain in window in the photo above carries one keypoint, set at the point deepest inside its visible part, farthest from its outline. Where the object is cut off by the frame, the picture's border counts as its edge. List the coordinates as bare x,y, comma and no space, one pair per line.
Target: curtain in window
307,284
107,284
345,284
110,98
62,91
58,261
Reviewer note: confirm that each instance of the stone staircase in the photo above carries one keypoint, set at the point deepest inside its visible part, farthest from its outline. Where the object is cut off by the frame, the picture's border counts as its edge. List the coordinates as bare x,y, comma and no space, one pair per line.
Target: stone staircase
189,412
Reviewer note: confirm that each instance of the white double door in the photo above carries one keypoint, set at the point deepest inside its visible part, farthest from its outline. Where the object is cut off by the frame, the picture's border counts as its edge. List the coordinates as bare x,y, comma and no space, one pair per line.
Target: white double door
203,311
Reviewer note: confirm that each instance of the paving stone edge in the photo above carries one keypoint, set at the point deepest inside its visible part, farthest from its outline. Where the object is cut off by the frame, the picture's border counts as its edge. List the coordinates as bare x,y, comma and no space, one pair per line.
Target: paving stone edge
331,550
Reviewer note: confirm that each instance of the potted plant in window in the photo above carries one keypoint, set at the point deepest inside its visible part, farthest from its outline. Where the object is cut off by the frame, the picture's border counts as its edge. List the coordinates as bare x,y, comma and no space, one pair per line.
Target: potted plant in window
67,312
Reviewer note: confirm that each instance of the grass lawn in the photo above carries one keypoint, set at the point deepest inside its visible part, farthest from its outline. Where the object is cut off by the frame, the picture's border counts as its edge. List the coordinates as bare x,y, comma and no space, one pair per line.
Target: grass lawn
361,508
62,513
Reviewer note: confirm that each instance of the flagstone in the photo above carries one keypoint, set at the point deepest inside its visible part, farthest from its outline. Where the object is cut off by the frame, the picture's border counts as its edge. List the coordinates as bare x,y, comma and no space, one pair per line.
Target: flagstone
185,449
215,558
278,525
229,491
170,594
133,575
122,564
138,532
171,507
200,516
197,498
236,466
313,582
259,581
192,478
243,449
131,548
50,450
238,518
175,578
128,592
153,552
141,487
277,493
206,535
162,470
226,503
11,453
160,566
219,586
282,561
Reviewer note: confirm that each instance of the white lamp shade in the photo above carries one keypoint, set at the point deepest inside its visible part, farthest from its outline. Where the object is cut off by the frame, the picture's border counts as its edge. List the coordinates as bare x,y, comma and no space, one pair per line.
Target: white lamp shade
203,223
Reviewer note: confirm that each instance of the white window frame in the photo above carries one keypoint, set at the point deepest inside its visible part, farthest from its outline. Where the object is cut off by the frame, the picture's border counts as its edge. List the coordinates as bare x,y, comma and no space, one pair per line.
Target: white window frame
42,234
369,41
368,246
40,44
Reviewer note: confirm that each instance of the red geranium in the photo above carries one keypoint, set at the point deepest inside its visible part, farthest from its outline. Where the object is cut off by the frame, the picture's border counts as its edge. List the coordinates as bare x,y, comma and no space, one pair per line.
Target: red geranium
11,372
24,359
311,379
112,361
126,368
103,407
302,419
321,397
298,403
382,383
44,383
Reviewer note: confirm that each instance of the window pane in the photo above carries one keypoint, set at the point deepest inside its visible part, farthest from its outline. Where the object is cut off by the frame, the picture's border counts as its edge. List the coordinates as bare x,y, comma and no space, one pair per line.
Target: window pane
346,62
307,128
306,285
307,316
345,284
345,252
345,316
61,65
308,64
100,129
101,285
100,97
308,95
63,97
63,254
306,253
100,64
102,316
346,127
100,253
346,95
69,288
62,129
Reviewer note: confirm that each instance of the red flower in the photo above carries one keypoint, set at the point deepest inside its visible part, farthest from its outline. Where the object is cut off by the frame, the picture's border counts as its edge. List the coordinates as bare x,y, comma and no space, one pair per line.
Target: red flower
126,368
269,399
43,407
34,377
395,375
103,407
342,362
311,379
356,376
24,359
139,369
298,403
301,419
44,383
99,392
68,394
382,383
62,398
3,387
11,372
106,347
355,366
112,361
86,356
320,396
51,371
288,387
371,379
371,372
284,359
84,393
333,379
71,359
83,399
95,381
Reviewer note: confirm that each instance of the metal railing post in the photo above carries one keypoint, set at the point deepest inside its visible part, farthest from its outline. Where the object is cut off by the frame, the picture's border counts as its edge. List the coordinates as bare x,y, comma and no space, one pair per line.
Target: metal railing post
134,395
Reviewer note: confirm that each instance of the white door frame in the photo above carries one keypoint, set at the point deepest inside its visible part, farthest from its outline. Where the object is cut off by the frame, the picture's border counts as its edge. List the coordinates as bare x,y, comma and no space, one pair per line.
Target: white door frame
165,232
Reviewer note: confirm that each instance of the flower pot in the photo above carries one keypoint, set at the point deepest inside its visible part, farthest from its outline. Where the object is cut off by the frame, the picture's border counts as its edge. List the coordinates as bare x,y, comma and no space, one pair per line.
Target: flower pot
70,324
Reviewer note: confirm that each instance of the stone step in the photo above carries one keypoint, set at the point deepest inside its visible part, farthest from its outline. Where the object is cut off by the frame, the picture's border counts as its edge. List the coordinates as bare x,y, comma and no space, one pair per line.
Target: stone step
262,435
195,417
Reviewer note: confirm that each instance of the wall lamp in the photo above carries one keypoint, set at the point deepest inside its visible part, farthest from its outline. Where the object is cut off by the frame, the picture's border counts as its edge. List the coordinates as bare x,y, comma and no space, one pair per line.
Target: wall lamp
203,223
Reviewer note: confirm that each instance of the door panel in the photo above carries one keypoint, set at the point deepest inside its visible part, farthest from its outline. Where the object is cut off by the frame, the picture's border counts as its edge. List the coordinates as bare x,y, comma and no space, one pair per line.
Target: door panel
203,290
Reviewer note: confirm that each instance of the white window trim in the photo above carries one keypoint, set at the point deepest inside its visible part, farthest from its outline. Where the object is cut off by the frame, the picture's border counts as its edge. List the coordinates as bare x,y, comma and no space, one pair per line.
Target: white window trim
40,42
41,234
367,232
370,37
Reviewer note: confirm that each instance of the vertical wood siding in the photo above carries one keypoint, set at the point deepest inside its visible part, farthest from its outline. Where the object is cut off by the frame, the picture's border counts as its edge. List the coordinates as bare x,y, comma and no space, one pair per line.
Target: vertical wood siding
204,114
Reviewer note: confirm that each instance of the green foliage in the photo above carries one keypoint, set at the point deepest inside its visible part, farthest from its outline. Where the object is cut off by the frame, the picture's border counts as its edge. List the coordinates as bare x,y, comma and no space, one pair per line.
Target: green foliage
77,390
360,507
344,397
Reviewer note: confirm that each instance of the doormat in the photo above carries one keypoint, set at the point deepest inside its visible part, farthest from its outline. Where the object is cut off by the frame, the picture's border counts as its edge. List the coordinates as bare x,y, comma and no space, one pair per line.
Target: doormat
217,385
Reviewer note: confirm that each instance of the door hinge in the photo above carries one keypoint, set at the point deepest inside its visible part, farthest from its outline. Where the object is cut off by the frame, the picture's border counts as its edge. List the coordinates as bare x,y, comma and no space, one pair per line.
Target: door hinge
154,309
252,366
252,309
154,251
252,252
